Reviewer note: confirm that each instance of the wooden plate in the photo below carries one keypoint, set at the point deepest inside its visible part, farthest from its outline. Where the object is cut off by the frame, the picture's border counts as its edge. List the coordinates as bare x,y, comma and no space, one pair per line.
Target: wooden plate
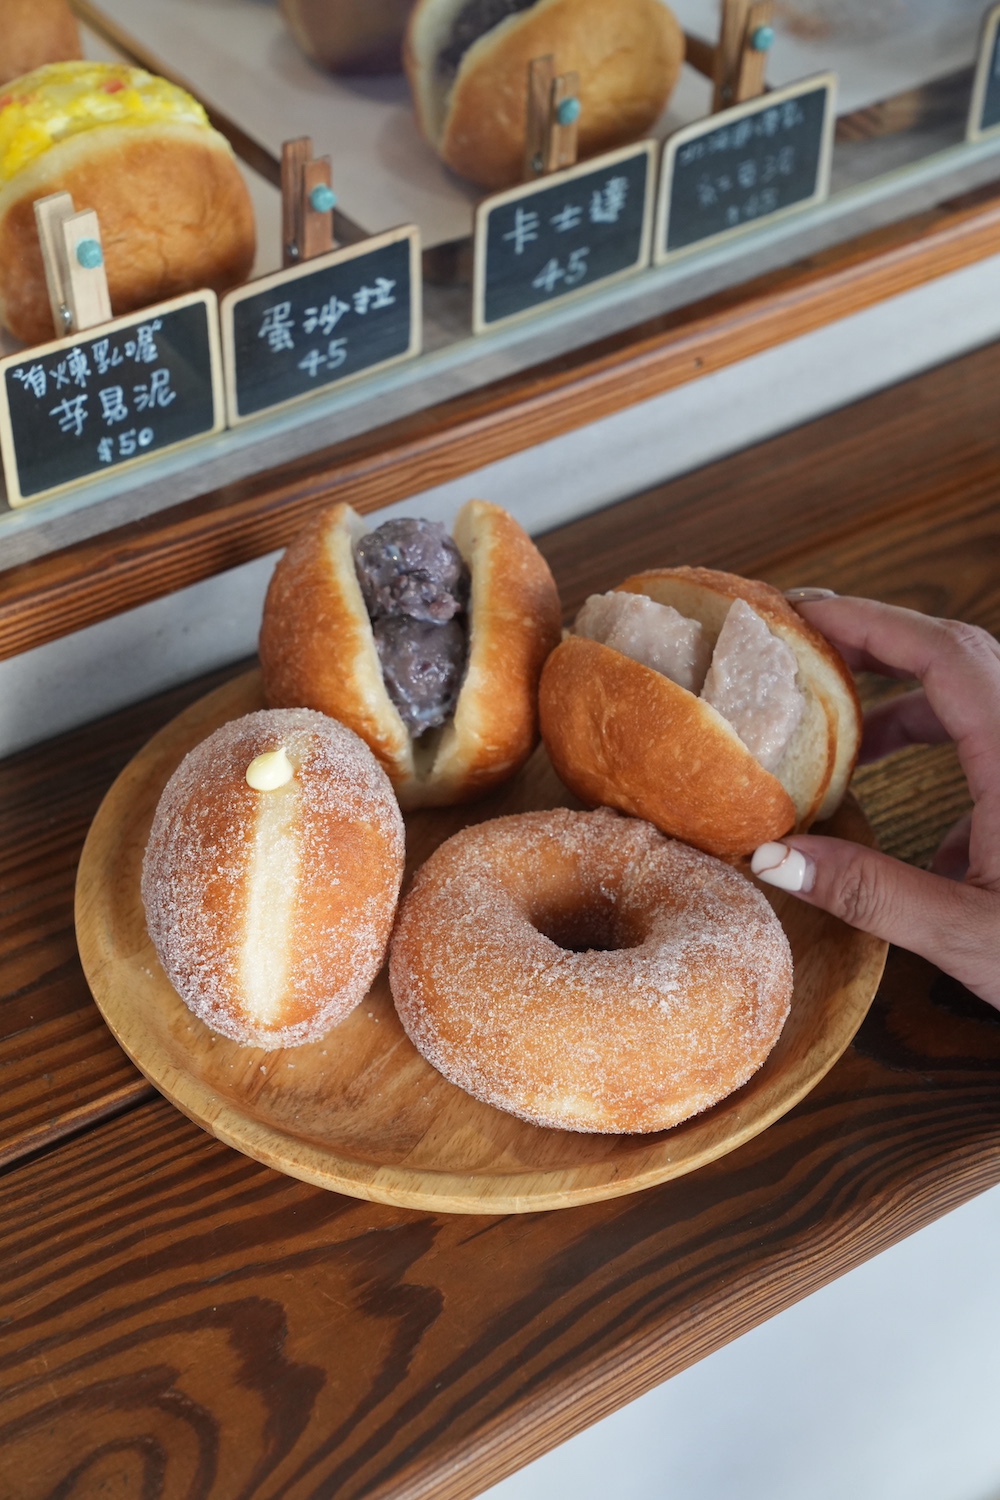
360,1111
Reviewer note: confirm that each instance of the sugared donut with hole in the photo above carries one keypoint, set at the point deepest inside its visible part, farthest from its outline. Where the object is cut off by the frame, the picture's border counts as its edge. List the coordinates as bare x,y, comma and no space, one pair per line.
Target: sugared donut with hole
271,876
584,972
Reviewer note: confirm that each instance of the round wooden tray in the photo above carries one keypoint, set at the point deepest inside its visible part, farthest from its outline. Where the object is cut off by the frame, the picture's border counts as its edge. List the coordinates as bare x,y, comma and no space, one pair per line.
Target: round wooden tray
360,1111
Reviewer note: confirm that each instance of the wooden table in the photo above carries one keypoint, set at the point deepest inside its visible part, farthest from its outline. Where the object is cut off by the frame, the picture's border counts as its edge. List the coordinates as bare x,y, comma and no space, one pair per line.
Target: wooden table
179,1321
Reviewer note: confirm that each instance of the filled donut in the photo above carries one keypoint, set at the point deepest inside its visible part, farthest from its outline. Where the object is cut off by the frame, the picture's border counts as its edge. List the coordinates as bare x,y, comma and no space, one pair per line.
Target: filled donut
467,63
581,971
271,876
428,646
704,703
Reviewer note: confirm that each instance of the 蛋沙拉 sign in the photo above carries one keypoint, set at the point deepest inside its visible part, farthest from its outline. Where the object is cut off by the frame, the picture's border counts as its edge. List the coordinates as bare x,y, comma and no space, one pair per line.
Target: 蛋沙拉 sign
113,396
350,312
737,169
562,234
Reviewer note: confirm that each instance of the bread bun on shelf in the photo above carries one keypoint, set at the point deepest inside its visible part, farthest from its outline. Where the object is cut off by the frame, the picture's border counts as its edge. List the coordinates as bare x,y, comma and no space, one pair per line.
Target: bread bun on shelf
726,732
174,210
271,876
350,36
585,973
459,630
467,62
34,32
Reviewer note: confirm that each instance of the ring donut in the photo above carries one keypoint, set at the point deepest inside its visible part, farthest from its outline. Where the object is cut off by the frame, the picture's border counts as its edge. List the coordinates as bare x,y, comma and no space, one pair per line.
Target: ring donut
584,972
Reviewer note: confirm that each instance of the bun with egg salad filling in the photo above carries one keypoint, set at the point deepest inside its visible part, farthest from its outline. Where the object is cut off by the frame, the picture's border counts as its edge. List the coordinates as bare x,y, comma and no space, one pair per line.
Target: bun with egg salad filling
34,32
174,211
467,62
427,646
705,704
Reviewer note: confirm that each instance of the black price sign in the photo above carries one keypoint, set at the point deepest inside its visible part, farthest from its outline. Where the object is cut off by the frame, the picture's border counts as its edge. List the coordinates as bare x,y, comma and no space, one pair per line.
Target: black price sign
984,110
732,170
564,234
112,396
289,335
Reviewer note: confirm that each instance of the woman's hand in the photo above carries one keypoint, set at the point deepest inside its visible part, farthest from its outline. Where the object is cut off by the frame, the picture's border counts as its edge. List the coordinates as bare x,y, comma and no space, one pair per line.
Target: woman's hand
952,914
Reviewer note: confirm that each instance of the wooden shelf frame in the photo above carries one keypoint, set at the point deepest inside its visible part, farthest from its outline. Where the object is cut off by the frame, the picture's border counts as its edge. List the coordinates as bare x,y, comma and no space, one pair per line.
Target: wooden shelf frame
65,591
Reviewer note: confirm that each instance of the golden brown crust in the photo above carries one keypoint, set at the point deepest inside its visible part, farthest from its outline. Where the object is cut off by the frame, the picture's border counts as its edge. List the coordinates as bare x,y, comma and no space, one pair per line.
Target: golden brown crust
174,210
622,735
628,57
317,651
823,673
34,32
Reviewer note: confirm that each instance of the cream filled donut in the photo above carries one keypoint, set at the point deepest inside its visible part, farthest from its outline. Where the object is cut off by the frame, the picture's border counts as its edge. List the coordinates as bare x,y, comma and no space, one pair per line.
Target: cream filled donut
271,876
584,972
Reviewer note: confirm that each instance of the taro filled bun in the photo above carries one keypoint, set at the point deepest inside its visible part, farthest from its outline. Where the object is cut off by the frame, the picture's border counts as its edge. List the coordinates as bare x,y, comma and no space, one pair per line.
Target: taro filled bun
33,32
318,650
471,99
174,211
622,734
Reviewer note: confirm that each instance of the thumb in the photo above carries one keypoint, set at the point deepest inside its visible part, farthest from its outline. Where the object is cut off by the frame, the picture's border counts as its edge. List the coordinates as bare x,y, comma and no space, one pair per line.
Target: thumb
951,924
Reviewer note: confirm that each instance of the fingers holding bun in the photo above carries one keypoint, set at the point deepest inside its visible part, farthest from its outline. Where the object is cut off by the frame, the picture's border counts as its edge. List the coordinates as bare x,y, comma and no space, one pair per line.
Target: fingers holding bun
705,704
34,32
428,647
174,210
467,61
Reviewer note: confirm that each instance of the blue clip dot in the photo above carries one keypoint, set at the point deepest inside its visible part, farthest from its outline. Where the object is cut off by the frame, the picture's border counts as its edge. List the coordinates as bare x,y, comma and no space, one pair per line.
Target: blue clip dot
322,198
762,39
89,254
568,111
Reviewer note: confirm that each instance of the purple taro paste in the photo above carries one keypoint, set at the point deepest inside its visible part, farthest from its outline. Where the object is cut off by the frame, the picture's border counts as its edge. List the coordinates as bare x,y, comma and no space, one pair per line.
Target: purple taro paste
416,589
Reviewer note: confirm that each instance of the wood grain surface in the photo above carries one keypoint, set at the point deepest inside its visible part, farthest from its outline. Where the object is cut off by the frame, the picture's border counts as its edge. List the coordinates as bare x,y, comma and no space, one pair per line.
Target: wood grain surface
65,591
360,1111
179,1321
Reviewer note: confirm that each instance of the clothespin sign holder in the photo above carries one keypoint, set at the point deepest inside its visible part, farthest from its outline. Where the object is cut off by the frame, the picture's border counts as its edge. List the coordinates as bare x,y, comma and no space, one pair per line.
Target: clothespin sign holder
745,38
553,112
307,203
74,264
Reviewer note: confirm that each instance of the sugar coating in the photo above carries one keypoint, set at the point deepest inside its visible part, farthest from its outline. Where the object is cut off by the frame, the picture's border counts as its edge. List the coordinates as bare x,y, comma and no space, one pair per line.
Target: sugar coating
751,682
488,985
657,635
199,859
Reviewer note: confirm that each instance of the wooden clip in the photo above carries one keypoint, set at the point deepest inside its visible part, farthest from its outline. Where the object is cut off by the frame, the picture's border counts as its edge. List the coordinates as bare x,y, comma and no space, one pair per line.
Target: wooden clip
73,257
307,202
745,38
552,115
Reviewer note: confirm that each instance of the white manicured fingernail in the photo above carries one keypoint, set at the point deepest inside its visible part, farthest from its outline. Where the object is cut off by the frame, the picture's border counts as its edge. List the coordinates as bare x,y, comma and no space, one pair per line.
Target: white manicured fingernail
808,595
788,869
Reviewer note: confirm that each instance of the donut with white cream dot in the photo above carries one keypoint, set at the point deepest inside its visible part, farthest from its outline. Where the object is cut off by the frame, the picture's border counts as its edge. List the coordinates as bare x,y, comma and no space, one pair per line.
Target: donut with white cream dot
271,876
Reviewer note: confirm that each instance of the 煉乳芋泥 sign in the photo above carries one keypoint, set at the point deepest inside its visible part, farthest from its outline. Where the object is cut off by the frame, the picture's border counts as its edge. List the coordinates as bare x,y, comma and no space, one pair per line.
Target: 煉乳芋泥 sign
94,402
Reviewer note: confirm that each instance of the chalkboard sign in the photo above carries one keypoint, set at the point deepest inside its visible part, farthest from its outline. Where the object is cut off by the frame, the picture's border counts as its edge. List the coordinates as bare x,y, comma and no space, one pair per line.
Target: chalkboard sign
568,232
115,395
732,170
289,335
984,110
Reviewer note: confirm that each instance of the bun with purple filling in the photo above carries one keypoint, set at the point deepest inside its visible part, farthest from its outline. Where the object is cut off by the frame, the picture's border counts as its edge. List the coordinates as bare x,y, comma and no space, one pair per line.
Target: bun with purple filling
467,62
705,704
428,646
